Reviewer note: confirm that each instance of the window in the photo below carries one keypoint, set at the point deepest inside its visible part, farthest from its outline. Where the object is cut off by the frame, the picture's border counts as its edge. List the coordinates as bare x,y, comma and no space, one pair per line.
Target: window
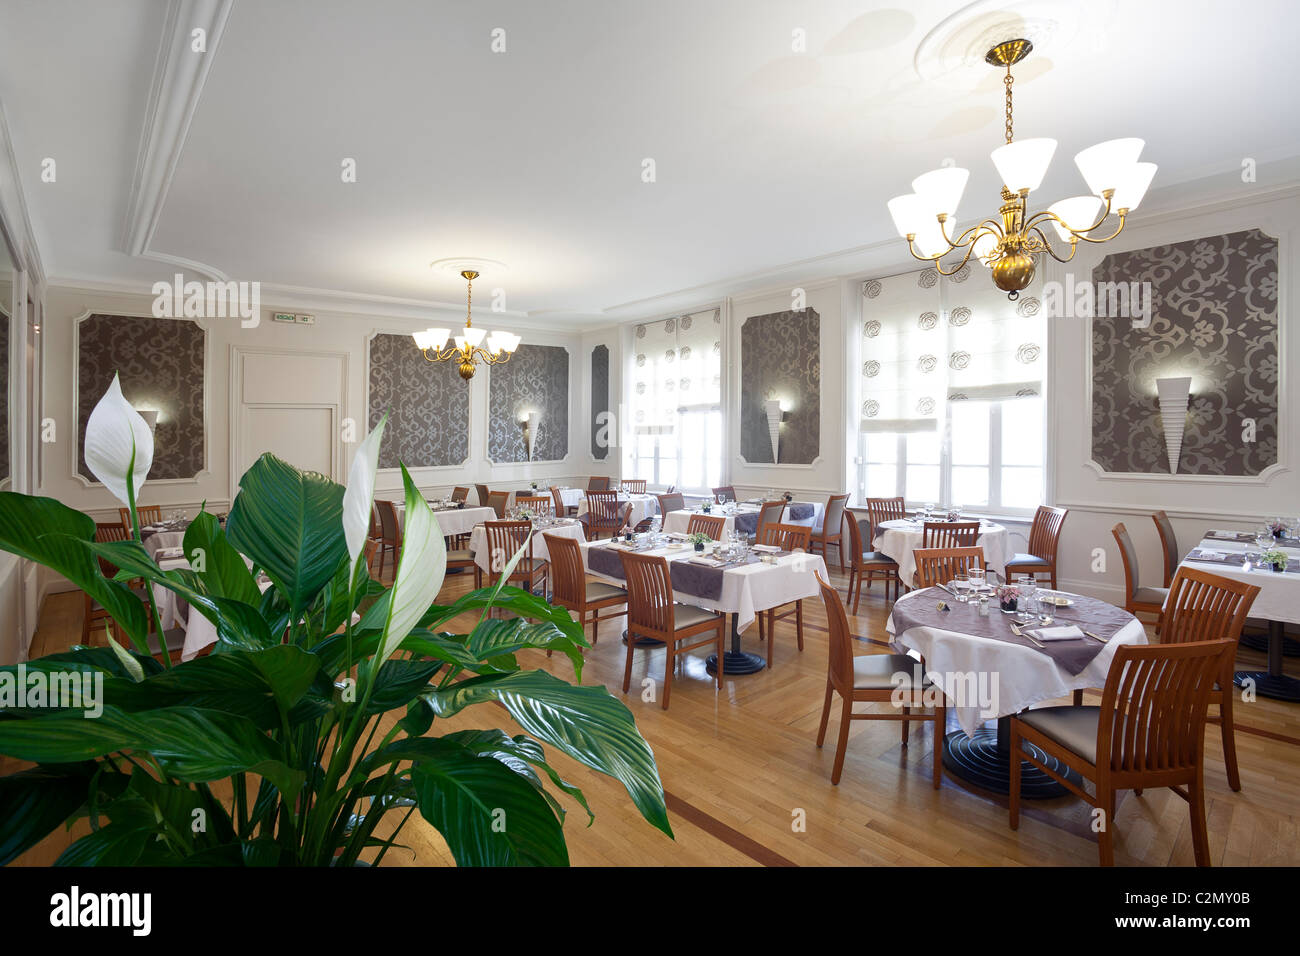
674,398
952,382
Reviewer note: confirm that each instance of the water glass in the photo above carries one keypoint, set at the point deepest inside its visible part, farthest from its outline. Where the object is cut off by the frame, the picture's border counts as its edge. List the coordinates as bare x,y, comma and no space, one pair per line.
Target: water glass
976,578
960,585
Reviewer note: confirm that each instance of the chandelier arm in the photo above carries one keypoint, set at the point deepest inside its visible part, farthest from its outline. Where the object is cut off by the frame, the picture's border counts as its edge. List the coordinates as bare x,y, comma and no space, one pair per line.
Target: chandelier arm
1118,230
1048,216
970,249
440,356
1047,246
995,228
916,255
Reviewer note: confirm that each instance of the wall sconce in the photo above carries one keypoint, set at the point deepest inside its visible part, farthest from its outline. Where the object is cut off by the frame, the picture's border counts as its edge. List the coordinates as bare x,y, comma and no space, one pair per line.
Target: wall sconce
529,422
150,416
1174,394
775,410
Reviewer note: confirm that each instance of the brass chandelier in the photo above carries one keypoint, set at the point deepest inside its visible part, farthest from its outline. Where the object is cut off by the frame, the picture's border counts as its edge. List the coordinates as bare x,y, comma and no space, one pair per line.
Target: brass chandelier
1009,244
467,348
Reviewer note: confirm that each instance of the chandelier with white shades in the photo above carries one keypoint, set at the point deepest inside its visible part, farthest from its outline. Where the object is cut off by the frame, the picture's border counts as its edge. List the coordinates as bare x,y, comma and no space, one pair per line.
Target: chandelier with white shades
468,348
1010,243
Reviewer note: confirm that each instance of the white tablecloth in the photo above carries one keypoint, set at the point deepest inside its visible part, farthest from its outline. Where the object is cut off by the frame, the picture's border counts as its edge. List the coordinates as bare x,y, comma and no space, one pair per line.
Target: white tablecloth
161,540
174,612
676,521
643,506
899,539
569,528
1023,675
454,521
1279,594
747,589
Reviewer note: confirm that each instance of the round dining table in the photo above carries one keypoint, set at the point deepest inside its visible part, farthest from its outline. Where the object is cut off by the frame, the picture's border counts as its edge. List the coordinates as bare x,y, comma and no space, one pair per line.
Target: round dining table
899,538
986,671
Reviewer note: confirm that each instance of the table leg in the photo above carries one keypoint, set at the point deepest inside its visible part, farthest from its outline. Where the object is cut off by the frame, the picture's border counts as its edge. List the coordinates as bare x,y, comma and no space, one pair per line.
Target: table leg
985,761
1271,683
735,661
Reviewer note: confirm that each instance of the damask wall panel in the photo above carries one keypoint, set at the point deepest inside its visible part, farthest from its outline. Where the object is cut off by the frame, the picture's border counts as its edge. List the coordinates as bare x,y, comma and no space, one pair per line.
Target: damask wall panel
427,402
599,399
780,358
160,364
535,379
1214,317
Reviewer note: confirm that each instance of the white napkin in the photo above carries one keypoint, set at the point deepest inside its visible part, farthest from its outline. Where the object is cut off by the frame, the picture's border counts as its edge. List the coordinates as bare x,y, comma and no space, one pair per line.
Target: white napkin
1210,553
708,562
1067,633
170,553
765,547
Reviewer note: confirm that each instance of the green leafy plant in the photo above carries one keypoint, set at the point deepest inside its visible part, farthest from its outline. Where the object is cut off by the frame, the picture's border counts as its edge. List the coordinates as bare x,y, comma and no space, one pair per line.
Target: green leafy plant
698,538
312,721
1275,557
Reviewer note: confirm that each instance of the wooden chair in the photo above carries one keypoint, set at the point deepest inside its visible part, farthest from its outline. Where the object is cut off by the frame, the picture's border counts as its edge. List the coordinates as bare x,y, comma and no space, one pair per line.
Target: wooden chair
787,537
1044,539
1148,732
634,486
873,678
1208,607
769,513
940,565
598,483
1168,544
459,494
602,515
390,534
94,612
371,548
670,502
376,532
712,525
148,514
831,530
885,509
1137,599
624,519
482,492
652,613
537,504
724,494
497,501
865,565
504,538
950,534
561,510
572,591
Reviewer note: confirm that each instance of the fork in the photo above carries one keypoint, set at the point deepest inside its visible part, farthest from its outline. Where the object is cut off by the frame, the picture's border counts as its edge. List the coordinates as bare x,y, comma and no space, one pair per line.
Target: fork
1029,637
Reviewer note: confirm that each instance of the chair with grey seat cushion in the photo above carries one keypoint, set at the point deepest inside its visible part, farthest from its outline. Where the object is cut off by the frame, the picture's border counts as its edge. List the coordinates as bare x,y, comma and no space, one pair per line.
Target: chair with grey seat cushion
866,565
571,589
831,530
1168,544
1044,540
1137,599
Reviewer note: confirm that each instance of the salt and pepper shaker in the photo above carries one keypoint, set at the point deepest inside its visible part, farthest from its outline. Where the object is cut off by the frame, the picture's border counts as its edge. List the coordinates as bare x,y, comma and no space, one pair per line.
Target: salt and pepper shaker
984,605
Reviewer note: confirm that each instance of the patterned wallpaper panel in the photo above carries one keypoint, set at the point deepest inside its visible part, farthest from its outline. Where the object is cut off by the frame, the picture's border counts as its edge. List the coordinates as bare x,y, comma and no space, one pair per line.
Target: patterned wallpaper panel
427,402
1214,317
599,399
780,357
160,365
536,378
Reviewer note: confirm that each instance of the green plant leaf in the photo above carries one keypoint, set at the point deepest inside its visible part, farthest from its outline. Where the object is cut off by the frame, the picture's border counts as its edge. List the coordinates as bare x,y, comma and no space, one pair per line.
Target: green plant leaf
488,814
52,534
514,751
587,723
494,638
290,523
224,572
34,802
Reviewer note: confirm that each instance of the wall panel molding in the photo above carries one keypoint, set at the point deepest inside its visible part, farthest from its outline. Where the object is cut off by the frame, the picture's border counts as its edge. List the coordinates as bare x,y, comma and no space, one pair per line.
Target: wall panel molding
780,359
536,378
428,405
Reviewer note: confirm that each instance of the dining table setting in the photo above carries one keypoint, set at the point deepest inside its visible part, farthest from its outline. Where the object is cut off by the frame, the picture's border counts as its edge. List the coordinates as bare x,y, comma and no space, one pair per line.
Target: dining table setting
643,506
455,518
899,537
742,516
542,525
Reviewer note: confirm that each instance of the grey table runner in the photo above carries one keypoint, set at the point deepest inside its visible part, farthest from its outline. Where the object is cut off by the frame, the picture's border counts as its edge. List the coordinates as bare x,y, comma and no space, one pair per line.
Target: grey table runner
699,580
1232,560
1104,620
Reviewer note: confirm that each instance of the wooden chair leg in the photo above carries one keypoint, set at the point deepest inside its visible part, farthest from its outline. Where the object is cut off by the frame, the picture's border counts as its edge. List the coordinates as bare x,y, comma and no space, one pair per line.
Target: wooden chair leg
771,633
846,718
798,622
940,725
1196,806
1078,698
1229,737
906,711
826,714
1013,792
722,653
670,664
627,667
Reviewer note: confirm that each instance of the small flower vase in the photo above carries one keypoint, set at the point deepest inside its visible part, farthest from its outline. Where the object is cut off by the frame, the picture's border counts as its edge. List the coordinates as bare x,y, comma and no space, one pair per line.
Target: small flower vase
1278,568
699,546
1008,605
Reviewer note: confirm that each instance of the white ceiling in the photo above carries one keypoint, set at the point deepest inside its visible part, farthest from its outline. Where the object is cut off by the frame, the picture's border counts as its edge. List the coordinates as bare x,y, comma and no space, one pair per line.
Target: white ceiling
763,156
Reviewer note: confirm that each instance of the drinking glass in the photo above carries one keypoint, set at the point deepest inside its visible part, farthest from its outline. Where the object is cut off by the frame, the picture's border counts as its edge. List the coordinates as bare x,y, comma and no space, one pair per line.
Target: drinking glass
976,578
960,585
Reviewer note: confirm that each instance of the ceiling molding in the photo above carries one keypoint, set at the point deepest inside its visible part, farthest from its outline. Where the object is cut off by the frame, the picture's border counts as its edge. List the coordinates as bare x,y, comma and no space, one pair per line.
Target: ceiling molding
13,210
178,78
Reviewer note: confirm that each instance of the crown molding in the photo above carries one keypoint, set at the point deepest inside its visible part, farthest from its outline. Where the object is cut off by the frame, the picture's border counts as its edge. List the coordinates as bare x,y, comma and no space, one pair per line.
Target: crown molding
178,79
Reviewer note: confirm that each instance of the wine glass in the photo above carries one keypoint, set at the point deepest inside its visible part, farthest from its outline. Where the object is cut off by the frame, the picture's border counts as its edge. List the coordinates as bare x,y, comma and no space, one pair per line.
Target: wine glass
960,584
1028,591
976,578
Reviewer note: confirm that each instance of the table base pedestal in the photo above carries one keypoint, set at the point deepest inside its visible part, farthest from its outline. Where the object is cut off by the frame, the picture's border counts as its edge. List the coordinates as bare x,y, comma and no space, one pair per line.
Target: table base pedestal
980,761
735,663
1259,642
1275,686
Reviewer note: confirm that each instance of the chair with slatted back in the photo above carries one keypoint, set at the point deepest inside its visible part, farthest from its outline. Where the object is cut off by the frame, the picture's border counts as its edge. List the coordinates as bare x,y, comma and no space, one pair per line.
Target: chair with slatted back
572,591
1149,731
831,530
712,525
878,679
673,501
598,483
482,492
886,509
390,534
504,539
497,501
1209,607
866,565
939,565
624,519
602,515
148,514
652,613
948,534
1044,539
94,612
634,486
792,538
536,504
724,493
1137,599
1168,544
561,510
769,513
459,494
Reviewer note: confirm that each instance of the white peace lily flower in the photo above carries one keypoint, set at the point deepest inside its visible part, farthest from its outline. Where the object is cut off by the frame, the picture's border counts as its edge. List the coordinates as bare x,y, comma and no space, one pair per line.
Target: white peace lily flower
359,497
114,433
420,571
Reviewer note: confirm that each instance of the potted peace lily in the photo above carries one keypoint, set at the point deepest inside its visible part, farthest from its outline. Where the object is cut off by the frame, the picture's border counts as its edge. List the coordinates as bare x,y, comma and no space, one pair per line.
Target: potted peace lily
306,737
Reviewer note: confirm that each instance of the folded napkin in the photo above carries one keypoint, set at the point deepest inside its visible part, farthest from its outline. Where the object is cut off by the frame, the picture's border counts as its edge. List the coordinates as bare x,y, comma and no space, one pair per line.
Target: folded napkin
1066,633
170,553
708,562
771,548
1206,553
